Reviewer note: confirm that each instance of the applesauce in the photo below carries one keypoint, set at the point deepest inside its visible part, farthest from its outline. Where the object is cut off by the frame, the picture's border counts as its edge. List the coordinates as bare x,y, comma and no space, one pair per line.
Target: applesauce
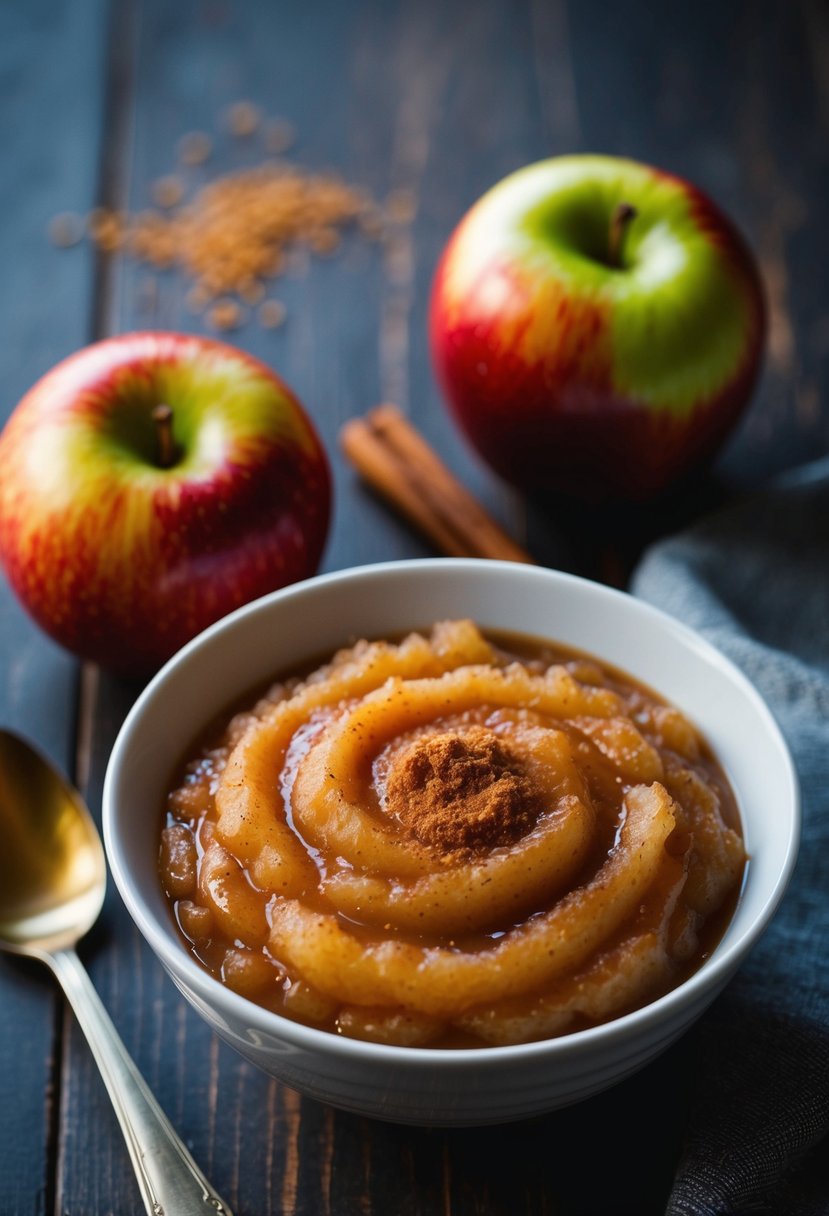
452,839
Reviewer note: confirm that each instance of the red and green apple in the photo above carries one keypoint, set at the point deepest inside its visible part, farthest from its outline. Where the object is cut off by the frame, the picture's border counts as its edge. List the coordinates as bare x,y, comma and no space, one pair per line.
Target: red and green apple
150,484
597,326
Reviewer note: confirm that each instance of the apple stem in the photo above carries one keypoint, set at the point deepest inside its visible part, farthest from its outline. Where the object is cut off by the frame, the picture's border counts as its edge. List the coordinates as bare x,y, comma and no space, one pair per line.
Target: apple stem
163,419
623,213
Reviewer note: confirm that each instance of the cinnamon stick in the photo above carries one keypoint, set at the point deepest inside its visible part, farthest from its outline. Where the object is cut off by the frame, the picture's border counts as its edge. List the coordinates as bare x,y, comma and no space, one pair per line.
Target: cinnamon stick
399,464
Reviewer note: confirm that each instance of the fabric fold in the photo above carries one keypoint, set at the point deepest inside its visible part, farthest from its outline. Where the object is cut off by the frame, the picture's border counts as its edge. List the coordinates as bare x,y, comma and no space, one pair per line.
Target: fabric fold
754,580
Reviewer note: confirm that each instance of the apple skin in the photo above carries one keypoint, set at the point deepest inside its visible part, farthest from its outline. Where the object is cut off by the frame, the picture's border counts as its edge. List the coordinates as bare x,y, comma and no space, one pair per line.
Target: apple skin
569,374
122,561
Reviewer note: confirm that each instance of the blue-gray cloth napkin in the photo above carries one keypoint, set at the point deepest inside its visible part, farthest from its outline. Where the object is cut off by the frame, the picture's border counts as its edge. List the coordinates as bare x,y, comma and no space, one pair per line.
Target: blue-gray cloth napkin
754,580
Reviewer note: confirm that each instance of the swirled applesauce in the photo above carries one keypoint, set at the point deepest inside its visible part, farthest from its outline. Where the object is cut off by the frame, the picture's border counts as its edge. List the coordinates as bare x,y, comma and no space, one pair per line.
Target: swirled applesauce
452,840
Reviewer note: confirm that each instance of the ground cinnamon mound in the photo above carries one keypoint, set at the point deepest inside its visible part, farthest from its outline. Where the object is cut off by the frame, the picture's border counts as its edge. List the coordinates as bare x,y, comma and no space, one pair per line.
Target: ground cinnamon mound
462,793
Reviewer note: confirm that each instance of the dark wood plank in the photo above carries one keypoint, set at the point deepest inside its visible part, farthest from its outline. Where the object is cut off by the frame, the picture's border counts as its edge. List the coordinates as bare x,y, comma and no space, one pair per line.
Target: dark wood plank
51,68
437,100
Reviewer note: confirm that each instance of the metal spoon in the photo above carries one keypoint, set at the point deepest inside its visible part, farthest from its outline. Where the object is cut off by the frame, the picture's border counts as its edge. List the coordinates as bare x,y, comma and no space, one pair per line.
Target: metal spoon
52,881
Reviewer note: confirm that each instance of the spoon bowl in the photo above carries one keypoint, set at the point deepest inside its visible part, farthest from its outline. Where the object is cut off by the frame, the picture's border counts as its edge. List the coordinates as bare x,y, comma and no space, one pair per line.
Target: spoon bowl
52,868
52,884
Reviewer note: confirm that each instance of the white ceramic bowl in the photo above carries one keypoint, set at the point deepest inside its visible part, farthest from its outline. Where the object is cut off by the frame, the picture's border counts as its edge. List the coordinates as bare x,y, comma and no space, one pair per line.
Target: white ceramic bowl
417,1085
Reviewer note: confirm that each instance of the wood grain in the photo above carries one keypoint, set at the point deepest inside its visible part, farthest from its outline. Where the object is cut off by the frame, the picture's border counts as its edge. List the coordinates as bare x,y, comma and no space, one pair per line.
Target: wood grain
430,103
51,68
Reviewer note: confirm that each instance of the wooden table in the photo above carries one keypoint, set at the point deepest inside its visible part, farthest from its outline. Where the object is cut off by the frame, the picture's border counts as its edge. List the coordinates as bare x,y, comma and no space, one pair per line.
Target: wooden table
439,99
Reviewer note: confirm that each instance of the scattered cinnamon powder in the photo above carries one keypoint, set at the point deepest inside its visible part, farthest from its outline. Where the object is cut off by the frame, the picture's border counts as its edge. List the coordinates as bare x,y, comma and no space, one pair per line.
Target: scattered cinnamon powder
194,148
271,314
151,238
225,314
462,792
237,228
236,231
106,228
168,191
243,118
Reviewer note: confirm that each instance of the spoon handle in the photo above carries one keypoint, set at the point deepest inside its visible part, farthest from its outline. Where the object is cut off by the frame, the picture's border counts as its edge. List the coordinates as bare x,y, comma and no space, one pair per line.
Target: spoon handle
171,1183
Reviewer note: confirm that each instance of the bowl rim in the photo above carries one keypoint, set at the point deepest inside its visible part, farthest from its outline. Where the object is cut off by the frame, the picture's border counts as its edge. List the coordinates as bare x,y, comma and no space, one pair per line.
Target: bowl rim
702,984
